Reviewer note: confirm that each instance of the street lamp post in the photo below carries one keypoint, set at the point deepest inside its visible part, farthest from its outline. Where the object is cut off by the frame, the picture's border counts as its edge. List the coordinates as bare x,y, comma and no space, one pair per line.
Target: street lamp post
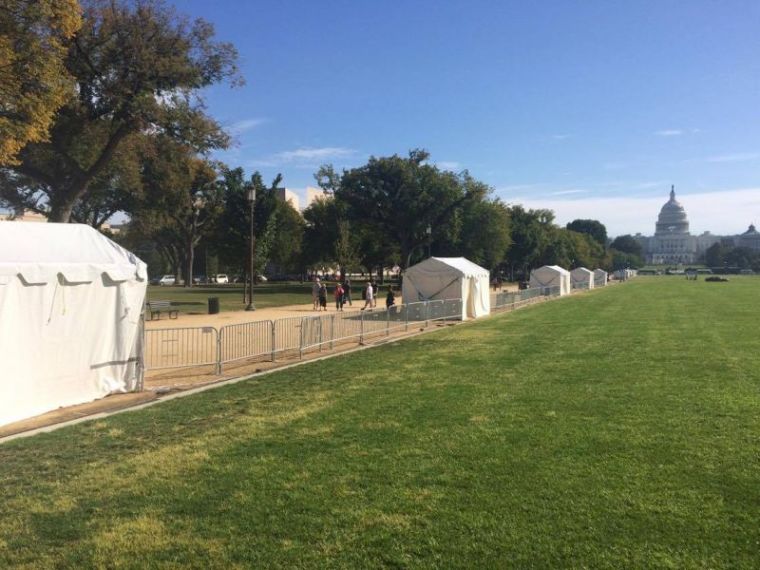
251,197
429,232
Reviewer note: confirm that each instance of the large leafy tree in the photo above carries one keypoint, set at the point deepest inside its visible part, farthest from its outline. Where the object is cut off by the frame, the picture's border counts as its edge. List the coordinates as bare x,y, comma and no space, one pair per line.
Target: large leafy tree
34,82
277,225
594,228
531,232
182,201
139,68
400,197
627,244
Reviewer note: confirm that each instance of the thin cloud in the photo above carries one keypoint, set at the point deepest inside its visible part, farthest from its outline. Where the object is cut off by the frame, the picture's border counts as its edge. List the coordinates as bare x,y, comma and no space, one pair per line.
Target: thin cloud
304,157
312,154
669,132
566,192
737,157
245,125
449,165
560,137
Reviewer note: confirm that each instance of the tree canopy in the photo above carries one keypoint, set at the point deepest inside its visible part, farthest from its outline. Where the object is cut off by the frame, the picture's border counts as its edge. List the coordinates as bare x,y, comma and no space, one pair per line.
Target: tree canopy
594,228
34,82
138,69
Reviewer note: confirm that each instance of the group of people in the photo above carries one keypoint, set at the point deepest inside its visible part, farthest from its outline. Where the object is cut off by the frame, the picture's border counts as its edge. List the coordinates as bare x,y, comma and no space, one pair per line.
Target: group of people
342,295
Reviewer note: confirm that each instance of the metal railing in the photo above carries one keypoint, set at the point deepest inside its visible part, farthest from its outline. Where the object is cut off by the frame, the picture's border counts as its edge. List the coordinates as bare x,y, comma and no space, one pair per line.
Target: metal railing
269,339
515,299
181,347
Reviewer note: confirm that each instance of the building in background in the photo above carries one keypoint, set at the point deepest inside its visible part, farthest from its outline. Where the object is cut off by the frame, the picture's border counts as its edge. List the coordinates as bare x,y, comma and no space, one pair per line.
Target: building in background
312,195
672,242
289,196
22,216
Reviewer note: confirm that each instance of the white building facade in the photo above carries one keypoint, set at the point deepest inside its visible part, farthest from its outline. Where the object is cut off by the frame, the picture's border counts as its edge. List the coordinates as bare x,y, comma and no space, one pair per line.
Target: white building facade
673,243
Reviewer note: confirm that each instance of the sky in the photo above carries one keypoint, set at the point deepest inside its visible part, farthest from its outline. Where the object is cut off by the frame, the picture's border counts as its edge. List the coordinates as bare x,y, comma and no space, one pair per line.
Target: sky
589,108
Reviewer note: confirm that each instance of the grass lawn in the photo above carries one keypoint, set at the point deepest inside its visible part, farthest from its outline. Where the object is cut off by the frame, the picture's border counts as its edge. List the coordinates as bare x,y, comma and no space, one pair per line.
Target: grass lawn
619,428
195,299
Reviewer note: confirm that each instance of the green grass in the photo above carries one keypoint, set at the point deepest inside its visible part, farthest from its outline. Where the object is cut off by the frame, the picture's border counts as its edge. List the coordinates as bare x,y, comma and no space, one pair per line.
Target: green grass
195,299
614,429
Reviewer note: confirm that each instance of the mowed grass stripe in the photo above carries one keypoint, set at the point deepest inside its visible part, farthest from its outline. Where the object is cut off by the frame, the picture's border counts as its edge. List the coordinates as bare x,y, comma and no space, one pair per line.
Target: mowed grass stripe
612,429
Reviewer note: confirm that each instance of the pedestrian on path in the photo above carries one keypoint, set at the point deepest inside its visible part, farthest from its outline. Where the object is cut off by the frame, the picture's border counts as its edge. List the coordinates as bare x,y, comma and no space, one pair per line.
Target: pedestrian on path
323,297
339,297
390,298
369,296
315,294
347,292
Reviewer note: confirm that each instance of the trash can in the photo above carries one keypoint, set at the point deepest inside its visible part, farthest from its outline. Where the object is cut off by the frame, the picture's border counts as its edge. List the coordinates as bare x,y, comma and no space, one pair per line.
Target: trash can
213,305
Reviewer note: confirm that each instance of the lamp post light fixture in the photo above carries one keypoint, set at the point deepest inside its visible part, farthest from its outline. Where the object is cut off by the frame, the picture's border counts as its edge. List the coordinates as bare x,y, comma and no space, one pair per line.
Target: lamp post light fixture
429,232
250,195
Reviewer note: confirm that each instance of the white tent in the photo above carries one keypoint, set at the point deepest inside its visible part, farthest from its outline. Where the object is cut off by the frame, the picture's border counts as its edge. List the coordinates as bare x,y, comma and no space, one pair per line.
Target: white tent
70,317
551,276
449,278
600,277
582,278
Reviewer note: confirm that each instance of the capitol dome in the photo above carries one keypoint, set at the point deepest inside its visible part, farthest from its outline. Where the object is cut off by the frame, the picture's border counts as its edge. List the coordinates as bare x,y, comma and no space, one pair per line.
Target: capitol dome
672,218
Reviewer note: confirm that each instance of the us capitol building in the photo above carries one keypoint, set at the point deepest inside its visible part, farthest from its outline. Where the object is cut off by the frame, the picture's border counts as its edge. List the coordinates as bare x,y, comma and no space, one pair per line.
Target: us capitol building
673,244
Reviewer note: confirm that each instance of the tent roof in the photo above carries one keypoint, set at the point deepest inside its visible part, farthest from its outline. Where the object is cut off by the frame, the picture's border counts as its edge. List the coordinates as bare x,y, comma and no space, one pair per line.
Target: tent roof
555,268
38,252
581,270
600,271
461,265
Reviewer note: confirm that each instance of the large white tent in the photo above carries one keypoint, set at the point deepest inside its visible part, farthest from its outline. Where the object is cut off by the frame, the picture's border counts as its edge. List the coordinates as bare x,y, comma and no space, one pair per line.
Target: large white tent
70,317
449,278
600,277
582,278
551,276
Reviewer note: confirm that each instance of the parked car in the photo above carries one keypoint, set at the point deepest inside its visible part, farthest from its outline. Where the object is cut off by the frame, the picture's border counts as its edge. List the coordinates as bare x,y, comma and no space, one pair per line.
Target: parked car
198,279
221,278
167,280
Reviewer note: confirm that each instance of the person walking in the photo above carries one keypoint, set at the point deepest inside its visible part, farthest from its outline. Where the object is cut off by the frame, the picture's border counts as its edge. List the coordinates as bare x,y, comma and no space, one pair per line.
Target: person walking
315,294
323,297
339,297
390,298
347,292
369,296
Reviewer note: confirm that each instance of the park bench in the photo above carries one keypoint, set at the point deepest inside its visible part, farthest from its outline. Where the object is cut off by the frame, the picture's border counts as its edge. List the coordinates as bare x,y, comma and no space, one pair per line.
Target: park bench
155,308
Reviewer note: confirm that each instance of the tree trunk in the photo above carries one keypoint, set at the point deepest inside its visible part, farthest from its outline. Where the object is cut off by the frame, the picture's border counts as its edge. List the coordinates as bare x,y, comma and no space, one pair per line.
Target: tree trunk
61,212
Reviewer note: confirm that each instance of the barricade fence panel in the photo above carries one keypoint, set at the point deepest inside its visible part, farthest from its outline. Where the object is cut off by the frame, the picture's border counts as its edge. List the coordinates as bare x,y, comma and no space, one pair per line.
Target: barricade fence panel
181,347
287,335
269,339
247,341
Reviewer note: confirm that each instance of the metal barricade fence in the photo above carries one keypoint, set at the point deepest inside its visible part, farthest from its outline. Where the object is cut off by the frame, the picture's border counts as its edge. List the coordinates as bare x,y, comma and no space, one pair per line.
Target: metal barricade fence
268,339
181,347
287,335
247,341
375,323
416,312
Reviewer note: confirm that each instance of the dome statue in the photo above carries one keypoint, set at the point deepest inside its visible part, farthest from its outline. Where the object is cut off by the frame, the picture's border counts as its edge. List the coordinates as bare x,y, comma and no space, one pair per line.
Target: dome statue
672,218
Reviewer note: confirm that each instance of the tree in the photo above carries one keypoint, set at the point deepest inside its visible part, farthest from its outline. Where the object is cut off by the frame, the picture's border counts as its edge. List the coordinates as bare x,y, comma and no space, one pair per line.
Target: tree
530,233
593,228
139,68
627,244
346,249
400,198
34,82
182,198
277,225
485,234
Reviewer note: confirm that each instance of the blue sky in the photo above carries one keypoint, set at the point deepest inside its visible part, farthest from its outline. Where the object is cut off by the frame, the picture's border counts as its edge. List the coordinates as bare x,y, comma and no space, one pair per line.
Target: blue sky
590,108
